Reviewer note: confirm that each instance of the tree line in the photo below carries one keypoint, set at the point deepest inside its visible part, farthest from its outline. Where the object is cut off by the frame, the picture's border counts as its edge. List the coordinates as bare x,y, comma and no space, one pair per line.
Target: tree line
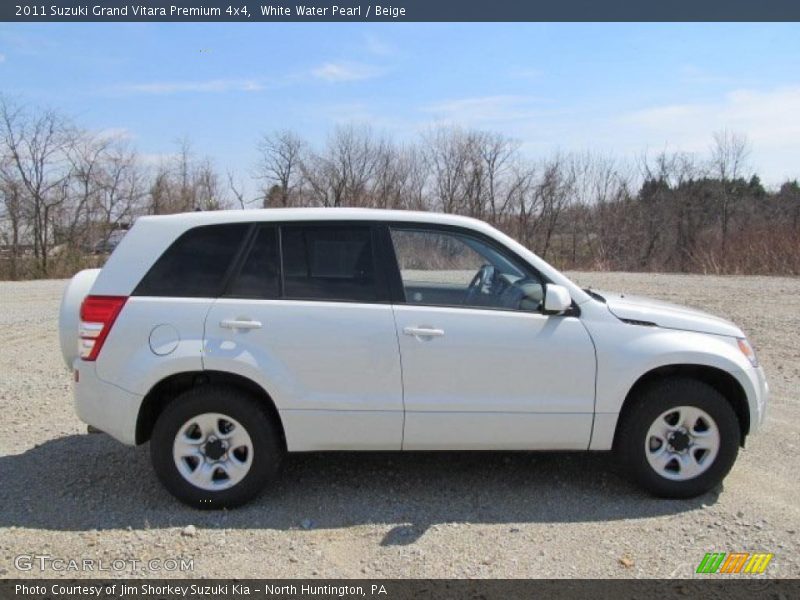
65,191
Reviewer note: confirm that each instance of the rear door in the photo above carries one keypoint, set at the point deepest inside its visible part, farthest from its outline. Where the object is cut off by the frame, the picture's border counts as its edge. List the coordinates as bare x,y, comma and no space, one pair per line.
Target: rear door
308,317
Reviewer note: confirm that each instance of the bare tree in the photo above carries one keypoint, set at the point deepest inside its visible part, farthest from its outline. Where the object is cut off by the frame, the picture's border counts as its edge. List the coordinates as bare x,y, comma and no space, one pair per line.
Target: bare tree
600,190
237,189
64,189
121,189
12,215
183,183
524,203
207,193
447,154
497,154
36,144
343,173
554,190
86,156
280,164
729,155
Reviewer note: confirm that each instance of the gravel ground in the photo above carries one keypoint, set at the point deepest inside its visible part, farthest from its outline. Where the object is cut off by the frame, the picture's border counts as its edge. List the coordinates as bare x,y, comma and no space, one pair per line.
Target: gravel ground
65,493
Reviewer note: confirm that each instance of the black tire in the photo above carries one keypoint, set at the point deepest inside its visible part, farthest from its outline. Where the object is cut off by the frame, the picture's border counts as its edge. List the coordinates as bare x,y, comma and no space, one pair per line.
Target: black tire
268,449
648,405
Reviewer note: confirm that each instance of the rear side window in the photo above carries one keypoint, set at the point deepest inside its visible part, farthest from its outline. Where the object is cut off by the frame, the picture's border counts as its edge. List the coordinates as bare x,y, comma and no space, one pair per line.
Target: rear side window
329,263
195,265
259,275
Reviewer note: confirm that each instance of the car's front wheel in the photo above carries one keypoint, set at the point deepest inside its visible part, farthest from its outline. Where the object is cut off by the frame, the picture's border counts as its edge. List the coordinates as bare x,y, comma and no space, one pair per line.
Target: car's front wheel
215,447
679,439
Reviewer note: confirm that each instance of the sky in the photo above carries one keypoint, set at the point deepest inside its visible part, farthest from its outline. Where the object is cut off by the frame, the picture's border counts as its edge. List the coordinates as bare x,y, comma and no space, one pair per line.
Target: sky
617,89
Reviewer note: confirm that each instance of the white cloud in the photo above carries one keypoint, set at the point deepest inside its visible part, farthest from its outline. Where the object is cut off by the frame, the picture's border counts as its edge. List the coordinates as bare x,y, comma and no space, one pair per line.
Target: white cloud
337,72
2,57
360,113
694,75
155,159
769,119
116,133
485,110
526,73
378,46
177,87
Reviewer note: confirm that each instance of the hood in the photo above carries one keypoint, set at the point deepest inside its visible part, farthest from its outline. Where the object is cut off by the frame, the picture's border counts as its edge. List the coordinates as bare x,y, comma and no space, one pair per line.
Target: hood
671,316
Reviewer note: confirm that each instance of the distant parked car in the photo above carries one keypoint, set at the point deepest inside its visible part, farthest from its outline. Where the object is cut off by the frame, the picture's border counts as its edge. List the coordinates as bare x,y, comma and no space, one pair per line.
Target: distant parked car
106,246
229,338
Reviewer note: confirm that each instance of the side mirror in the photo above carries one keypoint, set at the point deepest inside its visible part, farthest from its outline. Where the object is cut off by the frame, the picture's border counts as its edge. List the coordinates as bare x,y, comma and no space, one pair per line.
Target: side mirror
556,299
532,296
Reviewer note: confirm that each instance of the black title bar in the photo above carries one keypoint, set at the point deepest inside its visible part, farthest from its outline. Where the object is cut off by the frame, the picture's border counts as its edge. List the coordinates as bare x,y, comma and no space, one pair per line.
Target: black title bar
735,588
399,10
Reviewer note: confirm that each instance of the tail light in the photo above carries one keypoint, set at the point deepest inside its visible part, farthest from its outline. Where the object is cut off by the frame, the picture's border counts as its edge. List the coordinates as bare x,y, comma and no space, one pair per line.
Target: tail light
98,314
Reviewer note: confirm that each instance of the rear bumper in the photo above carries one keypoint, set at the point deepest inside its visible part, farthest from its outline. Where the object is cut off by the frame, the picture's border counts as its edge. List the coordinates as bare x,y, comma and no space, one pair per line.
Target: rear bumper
105,406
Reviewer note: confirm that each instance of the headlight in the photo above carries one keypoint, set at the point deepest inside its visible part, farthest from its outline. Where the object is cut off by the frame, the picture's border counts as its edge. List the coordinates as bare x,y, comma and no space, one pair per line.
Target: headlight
748,351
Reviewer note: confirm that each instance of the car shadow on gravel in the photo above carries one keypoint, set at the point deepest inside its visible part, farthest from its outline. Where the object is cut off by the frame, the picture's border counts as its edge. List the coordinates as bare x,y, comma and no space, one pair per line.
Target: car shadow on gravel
85,482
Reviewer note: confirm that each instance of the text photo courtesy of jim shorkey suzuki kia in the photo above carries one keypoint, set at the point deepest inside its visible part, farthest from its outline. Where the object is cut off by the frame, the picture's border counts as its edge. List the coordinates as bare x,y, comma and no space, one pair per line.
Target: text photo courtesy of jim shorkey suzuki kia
194,590
422,299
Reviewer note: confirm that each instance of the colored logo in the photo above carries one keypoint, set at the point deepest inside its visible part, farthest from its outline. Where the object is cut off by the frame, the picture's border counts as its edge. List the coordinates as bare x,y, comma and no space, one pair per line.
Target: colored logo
735,562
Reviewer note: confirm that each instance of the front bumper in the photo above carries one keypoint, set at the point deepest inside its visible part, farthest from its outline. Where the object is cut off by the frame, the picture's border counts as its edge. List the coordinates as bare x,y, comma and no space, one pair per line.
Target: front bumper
104,405
759,398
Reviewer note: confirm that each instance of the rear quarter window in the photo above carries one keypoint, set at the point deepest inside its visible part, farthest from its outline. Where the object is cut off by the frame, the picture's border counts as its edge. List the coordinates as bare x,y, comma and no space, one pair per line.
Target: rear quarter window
196,264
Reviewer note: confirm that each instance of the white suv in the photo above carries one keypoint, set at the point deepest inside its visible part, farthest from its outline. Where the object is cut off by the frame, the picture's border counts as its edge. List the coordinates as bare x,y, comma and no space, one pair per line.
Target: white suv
228,338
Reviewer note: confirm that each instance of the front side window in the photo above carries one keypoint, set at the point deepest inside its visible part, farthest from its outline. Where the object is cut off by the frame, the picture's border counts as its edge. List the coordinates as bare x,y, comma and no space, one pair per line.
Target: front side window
444,268
195,265
333,262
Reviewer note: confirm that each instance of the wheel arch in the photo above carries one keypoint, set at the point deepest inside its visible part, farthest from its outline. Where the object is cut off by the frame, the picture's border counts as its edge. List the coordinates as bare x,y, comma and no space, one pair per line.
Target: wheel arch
169,388
722,381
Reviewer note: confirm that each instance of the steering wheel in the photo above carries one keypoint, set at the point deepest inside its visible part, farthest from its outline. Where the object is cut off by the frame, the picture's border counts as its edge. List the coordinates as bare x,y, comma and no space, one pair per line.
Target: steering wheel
484,277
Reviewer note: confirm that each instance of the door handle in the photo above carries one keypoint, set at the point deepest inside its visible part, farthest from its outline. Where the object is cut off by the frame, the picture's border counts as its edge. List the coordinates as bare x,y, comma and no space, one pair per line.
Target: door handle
240,324
423,331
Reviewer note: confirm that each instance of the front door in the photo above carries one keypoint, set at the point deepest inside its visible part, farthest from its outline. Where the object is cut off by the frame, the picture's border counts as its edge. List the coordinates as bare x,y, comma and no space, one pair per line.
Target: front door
483,366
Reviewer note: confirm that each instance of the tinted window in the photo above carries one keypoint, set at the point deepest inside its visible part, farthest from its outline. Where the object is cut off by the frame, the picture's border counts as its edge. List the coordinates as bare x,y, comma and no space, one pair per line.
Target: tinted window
195,264
258,277
328,263
446,268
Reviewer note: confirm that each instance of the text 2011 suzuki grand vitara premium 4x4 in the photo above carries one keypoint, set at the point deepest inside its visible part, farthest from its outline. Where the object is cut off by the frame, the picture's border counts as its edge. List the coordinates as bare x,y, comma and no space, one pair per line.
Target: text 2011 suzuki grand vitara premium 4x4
228,338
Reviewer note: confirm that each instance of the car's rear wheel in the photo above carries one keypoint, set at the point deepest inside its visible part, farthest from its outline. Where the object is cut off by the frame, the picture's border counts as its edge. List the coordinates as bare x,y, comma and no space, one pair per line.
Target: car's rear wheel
215,447
679,438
